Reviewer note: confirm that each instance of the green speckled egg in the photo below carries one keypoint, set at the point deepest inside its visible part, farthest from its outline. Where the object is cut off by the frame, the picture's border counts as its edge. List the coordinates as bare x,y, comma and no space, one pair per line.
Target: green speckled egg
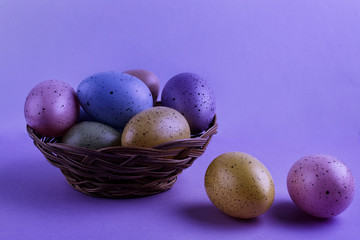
239,185
155,126
93,135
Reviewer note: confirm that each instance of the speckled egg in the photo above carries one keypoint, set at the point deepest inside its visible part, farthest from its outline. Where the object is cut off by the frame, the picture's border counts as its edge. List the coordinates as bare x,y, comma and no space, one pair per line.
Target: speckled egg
155,126
51,108
113,98
149,78
84,116
92,135
191,95
239,185
321,185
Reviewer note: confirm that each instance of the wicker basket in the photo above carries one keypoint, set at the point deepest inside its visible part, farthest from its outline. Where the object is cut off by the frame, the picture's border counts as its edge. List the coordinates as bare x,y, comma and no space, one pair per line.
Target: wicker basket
123,172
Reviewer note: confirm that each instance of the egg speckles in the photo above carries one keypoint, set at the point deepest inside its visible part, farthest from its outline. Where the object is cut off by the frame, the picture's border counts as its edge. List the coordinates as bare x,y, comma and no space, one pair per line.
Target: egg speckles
149,78
191,95
51,108
92,135
113,98
321,185
155,126
239,185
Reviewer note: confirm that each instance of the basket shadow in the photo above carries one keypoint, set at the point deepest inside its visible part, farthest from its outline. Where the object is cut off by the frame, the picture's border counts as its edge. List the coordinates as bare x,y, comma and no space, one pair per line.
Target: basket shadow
34,184
208,215
287,213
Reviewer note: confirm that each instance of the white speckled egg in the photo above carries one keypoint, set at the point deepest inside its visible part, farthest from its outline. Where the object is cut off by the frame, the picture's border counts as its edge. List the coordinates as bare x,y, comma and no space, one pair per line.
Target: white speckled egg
51,108
155,126
239,185
321,185
92,135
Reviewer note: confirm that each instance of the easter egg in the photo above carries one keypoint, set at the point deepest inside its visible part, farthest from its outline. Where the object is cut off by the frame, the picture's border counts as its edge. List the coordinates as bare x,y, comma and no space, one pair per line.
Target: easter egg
51,108
84,116
113,98
92,135
192,96
149,78
239,185
321,185
155,126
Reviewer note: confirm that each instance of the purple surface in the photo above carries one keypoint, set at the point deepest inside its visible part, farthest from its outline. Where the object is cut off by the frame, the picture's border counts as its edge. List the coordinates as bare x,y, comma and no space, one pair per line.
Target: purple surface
286,77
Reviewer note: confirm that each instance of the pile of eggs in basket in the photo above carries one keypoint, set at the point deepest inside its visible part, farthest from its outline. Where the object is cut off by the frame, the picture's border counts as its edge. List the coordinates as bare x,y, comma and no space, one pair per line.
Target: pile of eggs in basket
119,109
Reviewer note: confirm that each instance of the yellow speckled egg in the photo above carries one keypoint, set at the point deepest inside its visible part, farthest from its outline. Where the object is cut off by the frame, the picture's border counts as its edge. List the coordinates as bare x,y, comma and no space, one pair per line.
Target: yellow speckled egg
155,126
239,185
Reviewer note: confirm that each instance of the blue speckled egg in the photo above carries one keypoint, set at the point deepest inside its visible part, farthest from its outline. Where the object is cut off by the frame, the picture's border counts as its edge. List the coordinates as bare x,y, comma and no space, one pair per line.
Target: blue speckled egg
84,116
191,95
92,135
113,98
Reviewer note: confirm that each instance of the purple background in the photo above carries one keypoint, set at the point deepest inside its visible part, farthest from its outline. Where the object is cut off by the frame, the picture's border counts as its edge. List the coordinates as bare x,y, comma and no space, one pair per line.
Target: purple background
287,79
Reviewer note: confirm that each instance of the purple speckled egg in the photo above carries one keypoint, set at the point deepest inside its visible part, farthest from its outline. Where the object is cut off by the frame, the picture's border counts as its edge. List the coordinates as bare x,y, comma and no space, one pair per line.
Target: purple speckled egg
191,95
321,185
51,108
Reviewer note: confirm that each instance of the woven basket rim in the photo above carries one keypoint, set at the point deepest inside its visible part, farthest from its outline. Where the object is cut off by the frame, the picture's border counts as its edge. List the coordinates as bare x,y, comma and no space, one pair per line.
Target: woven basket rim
198,139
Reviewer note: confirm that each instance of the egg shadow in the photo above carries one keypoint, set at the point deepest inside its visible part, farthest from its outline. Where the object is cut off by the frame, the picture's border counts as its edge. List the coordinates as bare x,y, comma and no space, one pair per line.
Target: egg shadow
287,213
207,214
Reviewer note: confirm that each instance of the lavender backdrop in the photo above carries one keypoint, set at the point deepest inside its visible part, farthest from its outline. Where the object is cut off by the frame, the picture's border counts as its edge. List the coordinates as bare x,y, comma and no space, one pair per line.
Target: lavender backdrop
287,79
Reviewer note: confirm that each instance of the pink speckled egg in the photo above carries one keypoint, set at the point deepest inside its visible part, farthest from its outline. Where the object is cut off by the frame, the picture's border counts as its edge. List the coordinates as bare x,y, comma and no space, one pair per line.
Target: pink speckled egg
321,185
51,108
149,78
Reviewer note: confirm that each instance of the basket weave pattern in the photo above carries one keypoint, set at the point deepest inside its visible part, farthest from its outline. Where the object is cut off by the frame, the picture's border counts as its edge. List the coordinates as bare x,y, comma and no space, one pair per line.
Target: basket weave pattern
123,172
